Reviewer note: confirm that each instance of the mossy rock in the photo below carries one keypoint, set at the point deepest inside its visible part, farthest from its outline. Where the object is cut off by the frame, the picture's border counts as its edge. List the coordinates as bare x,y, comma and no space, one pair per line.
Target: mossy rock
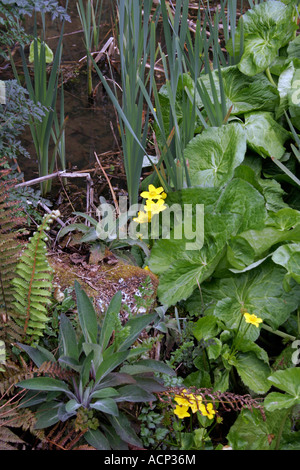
101,282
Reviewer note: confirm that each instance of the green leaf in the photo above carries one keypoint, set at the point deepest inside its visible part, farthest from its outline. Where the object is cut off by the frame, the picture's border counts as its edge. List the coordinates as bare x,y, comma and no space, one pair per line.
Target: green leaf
284,86
136,325
72,406
105,393
70,228
253,245
288,256
205,328
264,135
45,384
69,339
87,315
133,393
106,405
180,280
259,291
124,430
294,99
47,415
293,49
37,354
96,439
147,365
243,93
253,372
251,431
267,27
238,207
86,369
214,154
275,401
48,51
109,320
110,363
287,380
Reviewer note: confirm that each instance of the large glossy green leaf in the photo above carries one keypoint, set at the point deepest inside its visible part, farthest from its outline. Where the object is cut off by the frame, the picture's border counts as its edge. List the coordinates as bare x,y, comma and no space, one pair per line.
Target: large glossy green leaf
267,27
253,245
243,93
182,277
275,401
294,99
287,380
284,87
264,135
259,291
238,207
254,430
288,256
214,154
205,328
253,371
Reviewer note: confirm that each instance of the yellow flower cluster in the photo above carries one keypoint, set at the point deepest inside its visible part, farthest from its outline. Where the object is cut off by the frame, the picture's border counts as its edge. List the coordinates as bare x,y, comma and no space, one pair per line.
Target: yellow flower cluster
154,204
195,403
253,319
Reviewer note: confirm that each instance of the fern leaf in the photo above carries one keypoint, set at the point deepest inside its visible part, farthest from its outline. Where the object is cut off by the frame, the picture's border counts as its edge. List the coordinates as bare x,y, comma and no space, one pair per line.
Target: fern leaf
10,250
33,283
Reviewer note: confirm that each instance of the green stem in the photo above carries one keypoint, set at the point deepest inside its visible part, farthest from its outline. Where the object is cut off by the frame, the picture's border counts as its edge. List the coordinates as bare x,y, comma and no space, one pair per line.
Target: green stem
279,333
235,342
268,73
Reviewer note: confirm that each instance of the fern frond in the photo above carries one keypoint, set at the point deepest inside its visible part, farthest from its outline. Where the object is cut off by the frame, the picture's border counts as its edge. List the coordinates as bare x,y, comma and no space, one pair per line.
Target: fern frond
33,283
13,374
12,418
10,249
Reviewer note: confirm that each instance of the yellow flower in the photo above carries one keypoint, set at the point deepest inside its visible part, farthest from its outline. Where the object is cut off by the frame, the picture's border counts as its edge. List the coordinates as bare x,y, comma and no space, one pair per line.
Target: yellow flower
182,401
155,207
195,402
207,410
189,400
154,193
253,319
142,217
181,411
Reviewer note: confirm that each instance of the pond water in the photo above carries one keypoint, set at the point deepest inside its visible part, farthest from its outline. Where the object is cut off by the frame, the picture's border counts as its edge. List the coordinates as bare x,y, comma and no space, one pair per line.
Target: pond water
91,125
